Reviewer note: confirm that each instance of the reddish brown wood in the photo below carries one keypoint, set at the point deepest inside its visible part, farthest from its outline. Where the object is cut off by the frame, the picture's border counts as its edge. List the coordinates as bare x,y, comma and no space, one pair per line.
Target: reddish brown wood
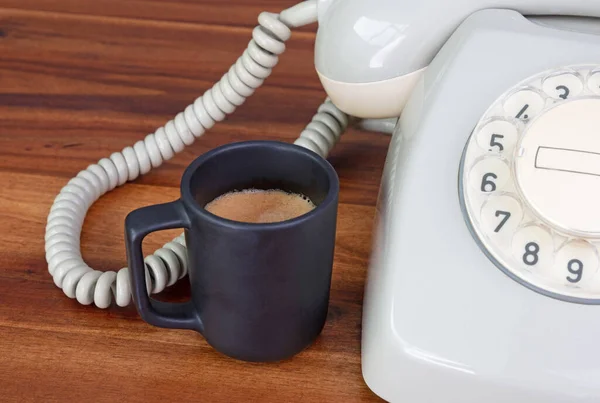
80,80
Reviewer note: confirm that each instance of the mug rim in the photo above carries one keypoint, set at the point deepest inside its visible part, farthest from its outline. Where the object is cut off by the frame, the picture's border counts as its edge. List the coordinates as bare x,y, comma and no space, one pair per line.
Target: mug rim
189,200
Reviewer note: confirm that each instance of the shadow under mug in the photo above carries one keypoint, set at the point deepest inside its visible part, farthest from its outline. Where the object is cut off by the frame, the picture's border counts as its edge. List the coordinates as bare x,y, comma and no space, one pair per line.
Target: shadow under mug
259,292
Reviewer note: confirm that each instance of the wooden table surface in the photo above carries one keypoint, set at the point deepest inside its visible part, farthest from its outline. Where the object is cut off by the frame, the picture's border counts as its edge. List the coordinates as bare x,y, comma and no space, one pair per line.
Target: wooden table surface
82,79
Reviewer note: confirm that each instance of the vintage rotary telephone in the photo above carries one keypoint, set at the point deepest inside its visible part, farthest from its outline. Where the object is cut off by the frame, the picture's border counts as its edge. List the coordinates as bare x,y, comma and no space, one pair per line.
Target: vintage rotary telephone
484,283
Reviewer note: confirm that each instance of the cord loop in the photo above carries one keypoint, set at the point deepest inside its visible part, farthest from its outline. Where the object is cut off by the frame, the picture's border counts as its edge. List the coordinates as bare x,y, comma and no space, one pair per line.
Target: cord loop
169,263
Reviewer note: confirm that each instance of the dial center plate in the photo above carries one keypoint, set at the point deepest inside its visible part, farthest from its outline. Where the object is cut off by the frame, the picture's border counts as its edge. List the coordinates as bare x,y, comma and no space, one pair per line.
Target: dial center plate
557,167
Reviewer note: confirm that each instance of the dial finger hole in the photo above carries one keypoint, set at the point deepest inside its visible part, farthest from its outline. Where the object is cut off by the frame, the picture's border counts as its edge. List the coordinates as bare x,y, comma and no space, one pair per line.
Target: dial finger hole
533,248
489,175
563,86
575,265
498,137
501,216
524,105
594,82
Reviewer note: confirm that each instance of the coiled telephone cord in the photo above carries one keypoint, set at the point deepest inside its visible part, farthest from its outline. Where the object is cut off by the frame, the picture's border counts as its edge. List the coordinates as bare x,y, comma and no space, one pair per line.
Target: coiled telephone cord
169,263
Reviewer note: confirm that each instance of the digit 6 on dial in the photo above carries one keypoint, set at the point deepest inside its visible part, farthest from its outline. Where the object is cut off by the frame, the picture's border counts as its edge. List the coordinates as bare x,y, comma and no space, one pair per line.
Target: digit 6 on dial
487,183
489,175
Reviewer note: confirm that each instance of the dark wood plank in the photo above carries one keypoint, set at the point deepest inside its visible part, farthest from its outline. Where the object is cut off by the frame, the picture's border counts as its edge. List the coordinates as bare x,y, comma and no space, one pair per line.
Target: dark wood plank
230,12
78,84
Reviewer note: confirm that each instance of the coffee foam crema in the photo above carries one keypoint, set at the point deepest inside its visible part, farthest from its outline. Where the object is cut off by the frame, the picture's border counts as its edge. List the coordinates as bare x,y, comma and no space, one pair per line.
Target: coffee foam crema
260,206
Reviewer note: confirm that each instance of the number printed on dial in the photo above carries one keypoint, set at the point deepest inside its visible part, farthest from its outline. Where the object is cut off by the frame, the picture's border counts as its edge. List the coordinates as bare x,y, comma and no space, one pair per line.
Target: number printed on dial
563,86
501,216
533,247
576,264
524,105
498,137
489,175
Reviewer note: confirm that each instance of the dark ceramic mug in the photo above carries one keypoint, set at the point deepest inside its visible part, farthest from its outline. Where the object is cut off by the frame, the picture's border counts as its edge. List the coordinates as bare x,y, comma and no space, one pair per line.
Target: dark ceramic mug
259,292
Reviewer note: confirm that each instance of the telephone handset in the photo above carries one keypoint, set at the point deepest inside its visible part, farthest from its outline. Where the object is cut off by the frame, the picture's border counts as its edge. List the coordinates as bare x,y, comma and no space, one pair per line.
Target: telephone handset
378,50
481,289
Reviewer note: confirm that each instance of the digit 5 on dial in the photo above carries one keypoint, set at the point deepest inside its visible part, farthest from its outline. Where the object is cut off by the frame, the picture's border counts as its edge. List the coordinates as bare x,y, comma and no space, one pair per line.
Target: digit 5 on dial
530,176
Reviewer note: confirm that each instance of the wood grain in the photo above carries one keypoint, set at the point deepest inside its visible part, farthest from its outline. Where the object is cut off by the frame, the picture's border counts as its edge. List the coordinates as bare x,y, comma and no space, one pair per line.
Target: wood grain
80,80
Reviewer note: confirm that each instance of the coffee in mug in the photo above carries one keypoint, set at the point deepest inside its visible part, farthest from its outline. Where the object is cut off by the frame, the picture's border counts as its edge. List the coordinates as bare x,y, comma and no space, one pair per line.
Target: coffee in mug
260,206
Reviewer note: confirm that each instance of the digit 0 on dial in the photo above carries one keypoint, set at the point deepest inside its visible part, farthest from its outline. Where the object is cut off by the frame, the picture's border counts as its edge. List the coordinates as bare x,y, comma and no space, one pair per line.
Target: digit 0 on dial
538,136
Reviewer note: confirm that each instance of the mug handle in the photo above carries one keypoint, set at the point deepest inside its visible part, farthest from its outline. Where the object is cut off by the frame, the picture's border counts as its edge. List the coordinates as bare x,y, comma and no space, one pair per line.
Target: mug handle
138,224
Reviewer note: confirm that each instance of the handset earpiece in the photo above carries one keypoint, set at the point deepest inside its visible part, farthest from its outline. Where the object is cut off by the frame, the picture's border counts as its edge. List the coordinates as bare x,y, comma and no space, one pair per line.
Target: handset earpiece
370,54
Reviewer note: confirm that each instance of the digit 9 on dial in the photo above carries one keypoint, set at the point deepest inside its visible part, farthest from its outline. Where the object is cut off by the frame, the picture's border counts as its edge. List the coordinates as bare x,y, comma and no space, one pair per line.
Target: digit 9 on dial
530,183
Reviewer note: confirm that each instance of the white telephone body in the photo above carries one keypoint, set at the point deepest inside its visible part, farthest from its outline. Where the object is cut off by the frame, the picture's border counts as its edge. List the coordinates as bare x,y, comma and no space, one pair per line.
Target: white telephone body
484,281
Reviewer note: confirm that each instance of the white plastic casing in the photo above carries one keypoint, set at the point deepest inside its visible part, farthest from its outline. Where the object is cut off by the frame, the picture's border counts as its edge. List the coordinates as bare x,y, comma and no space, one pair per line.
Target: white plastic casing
441,322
